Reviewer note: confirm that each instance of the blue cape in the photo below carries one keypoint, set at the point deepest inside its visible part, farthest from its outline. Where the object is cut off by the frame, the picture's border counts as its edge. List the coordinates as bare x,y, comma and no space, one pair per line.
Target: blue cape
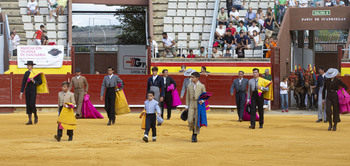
202,113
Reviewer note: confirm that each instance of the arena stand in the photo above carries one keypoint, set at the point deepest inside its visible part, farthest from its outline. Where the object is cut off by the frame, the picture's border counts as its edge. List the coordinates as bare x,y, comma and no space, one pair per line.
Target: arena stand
189,21
26,25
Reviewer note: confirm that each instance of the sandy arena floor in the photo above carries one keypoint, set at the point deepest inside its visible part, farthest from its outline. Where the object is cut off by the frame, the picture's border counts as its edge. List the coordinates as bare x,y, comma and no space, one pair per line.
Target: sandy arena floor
285,140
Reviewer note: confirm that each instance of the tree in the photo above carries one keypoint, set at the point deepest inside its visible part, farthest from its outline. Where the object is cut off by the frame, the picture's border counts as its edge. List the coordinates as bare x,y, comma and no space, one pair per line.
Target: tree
132,20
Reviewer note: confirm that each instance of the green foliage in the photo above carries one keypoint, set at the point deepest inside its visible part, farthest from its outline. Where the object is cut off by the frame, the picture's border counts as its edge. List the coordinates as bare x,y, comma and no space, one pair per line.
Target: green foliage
133,19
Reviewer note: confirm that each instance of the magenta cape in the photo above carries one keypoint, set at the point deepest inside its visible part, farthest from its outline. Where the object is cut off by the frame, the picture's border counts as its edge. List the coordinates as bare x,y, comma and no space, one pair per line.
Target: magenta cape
175,95
88,110
246,115
344,101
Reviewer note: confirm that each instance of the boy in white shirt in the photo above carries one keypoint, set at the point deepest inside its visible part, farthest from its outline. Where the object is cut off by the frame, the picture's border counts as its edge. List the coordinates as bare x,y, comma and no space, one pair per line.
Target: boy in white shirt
32,8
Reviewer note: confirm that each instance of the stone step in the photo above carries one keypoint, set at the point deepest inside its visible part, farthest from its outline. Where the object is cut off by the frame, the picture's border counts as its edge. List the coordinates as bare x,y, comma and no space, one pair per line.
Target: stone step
10,12
9,5
17,27
17,20
9,0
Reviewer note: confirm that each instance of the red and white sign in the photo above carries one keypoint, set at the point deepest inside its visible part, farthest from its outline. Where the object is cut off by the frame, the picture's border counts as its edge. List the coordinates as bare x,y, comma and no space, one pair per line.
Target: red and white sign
42,56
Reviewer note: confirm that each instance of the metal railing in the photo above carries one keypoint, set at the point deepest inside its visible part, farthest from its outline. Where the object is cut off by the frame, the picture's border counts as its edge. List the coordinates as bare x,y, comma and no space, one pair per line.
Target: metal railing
213,27
7,35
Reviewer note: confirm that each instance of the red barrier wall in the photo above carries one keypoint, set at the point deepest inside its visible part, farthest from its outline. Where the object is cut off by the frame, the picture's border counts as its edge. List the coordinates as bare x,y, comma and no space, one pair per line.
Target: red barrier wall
135,88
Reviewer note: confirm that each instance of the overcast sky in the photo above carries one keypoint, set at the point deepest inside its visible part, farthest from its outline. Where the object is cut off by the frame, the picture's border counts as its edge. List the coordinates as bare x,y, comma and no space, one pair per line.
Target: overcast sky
95,19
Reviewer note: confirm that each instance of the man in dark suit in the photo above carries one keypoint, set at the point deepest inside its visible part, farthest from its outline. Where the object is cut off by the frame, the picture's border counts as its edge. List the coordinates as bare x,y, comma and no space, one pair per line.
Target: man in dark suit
30,93
240,84
318,93
168,100
331,86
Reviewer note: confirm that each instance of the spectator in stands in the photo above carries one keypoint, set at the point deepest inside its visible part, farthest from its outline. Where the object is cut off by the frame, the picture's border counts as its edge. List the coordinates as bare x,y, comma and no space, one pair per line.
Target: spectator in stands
249,17
231,28
218,42
32,8
220,31
266,46
260,16
52,5
228,6
191,55
17,38
338,3
168,44
202,53
273,42
267,75
204,71
241,27
229,41
183,69
234,16
60,8
269,10
257,39
281,10
44,39
180,54
38,34
303,3
154,45
227,54
15,43
253,28
327,3
242,44
216,53
294,3
238,4
269,25
222,17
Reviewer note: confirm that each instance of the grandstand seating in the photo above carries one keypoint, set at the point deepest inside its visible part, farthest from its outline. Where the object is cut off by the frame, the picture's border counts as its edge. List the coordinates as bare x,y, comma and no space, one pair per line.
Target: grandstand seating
26,25
189,21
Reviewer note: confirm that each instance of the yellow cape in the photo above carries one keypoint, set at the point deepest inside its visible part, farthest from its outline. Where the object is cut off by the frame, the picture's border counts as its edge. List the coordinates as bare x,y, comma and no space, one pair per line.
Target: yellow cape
67,118
121,104
43,88
143,116
266,83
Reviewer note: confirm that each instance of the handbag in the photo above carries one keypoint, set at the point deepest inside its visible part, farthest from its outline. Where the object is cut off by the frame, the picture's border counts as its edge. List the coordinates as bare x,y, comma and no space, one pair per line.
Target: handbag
184,115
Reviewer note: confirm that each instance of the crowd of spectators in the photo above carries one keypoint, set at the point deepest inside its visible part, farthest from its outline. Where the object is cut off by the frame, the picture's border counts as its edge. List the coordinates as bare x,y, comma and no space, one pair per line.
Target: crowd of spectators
234,35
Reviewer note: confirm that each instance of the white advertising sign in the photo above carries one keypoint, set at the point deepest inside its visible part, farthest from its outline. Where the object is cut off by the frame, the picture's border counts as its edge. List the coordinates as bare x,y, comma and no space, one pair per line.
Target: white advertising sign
42,56
131,59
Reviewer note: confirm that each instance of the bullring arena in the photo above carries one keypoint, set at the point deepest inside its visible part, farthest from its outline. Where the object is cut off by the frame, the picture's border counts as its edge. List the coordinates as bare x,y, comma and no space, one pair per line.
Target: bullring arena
285,140
66,63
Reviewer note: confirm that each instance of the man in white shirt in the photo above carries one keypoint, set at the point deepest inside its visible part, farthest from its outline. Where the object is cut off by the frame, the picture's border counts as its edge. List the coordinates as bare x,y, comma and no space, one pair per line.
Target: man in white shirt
253,28
220,31
32,8
154,46
169,45
234,16
216,53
